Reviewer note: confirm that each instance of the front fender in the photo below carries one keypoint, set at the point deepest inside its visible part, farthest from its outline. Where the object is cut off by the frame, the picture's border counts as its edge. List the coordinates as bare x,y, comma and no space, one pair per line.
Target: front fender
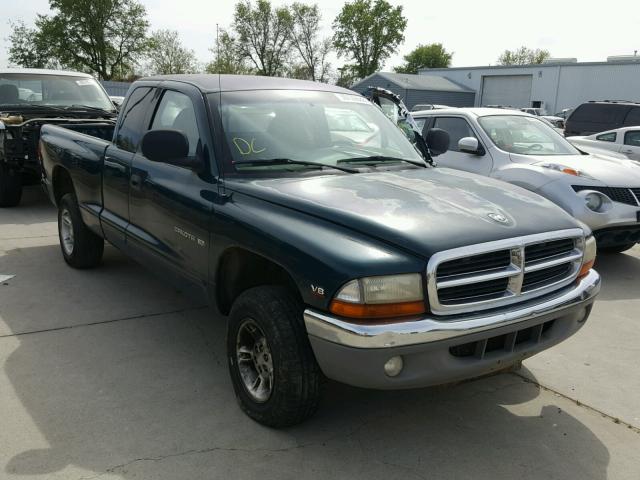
526,176
313,251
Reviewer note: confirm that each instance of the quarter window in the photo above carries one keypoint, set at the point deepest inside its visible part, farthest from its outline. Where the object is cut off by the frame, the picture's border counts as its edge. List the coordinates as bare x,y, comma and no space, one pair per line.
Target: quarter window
132,121
607,137
457,128
176,112
632,138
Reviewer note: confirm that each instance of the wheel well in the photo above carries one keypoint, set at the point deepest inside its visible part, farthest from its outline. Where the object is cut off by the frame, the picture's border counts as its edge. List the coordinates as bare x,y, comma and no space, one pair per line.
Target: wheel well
239,270
62,184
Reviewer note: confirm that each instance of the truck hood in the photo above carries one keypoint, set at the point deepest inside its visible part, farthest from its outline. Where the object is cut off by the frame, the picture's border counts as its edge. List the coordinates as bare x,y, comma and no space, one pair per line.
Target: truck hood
421,210
604,169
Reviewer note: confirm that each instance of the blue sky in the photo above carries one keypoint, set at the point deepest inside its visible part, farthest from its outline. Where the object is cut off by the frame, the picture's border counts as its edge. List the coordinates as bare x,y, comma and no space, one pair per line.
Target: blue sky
477,32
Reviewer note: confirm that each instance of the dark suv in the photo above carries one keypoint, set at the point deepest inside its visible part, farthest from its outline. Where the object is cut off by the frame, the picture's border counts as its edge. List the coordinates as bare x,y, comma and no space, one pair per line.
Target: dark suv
594,117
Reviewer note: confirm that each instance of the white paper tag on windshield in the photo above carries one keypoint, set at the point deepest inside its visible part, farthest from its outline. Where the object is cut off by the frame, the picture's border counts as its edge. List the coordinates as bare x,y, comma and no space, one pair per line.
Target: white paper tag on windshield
84,81
343,97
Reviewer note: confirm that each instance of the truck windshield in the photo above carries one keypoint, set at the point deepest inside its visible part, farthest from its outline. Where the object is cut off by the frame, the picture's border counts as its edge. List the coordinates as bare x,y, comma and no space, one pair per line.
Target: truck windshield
525,135
270,131
47,90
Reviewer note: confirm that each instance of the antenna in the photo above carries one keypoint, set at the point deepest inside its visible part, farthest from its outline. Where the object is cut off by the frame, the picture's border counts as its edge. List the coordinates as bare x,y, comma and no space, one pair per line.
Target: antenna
218,60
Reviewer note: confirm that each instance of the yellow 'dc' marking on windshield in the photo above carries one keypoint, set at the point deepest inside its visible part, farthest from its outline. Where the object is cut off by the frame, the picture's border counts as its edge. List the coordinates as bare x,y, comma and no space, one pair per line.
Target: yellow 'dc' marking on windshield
246,148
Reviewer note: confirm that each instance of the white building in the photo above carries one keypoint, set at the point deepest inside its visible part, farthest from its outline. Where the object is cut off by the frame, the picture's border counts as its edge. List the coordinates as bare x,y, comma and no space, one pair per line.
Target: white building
553,86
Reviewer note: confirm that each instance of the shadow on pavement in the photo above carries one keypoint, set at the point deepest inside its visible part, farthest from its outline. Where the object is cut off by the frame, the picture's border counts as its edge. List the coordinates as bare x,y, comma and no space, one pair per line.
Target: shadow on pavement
620,275
149,397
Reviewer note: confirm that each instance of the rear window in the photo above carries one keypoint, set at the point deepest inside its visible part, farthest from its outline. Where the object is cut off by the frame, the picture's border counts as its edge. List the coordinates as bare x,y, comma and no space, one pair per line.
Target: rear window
600,113
633,118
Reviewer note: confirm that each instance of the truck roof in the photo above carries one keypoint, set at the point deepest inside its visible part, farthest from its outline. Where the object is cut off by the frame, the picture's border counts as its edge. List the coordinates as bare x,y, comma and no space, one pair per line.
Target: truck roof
44,71
225,83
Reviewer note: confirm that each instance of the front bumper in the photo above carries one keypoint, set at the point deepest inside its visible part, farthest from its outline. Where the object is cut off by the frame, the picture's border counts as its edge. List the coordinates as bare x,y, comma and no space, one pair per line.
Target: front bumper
437,351
622,219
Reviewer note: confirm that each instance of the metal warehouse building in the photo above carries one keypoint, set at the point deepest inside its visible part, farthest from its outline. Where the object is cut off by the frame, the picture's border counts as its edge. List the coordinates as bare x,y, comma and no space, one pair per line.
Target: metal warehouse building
414,89
553,86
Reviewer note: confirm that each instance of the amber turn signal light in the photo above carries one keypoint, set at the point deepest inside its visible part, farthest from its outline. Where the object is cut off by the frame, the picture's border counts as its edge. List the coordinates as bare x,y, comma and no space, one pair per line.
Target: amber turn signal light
382,310
585,269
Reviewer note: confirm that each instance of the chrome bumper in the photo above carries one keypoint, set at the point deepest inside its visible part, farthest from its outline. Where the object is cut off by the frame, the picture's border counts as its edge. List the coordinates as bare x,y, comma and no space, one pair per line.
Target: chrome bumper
433,329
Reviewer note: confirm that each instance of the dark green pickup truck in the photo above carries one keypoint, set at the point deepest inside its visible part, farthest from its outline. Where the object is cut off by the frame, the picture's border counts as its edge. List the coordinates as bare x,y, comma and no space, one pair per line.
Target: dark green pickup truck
336,249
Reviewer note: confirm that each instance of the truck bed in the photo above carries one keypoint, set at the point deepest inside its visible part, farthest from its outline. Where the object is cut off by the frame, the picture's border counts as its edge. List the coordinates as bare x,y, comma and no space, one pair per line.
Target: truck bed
79,148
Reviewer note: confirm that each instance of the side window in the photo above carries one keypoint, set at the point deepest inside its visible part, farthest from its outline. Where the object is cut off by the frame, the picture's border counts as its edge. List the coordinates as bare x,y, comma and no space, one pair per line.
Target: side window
131,125
633,118
176,112
457,128
632,138
607,137
420,122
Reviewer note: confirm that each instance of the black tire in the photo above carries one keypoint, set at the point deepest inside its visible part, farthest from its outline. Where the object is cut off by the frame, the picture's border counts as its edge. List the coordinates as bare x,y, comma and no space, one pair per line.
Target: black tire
617,248
10,187
296,378
85,248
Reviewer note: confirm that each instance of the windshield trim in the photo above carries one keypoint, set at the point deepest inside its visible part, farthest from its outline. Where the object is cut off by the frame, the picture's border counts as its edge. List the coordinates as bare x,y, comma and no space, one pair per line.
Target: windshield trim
532,117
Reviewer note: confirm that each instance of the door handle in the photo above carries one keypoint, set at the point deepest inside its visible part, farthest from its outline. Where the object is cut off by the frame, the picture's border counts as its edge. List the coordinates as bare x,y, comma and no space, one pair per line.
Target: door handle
136,181
627,151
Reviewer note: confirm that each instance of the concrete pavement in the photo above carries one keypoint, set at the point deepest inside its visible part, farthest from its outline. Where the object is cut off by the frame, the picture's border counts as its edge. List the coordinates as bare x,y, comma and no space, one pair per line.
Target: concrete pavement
110,373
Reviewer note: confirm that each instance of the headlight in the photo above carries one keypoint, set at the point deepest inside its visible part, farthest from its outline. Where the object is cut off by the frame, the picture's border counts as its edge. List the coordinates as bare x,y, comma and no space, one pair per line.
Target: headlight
380,297
589,257
563,169
596,201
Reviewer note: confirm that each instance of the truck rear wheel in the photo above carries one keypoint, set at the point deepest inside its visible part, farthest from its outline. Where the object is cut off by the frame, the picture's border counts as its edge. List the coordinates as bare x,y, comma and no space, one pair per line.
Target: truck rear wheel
10,187
81,248
274,372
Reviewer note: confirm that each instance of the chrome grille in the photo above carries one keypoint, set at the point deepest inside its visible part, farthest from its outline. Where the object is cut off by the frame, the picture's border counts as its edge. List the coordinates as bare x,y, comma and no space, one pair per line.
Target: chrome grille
494,274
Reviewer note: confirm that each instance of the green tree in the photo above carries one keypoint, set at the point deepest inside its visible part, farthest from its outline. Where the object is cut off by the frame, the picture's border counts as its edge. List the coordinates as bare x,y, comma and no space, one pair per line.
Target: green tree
368,32
27,48
263,35
104,37
433,55
167,55
227,56
523,56
305,41
346,76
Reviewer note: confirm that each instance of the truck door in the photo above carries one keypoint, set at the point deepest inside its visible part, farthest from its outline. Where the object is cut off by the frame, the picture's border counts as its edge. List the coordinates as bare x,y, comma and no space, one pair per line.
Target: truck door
117,164
171,206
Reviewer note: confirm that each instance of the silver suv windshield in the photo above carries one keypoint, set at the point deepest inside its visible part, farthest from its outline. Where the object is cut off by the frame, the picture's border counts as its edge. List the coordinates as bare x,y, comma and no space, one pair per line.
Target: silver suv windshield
270,131
525,135
59,91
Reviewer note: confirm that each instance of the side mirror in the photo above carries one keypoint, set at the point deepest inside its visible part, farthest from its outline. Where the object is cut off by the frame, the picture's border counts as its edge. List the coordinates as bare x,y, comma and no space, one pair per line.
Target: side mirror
437,141
168,146
470,145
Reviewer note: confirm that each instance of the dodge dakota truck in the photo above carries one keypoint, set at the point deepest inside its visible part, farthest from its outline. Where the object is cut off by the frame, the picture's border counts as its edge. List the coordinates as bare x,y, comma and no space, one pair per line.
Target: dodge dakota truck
30,98
333,246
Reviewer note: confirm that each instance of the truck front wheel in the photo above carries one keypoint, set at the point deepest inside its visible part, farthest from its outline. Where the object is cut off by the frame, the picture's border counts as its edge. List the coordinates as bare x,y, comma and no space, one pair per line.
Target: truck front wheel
274,372
10,187
81,248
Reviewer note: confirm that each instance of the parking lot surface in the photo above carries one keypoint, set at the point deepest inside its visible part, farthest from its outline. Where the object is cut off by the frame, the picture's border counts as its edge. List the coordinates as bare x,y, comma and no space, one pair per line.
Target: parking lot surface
112,373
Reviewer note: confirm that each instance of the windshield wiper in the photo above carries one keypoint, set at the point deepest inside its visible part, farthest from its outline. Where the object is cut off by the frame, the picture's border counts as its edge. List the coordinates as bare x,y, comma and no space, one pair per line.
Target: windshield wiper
89,107
381,159
289,161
